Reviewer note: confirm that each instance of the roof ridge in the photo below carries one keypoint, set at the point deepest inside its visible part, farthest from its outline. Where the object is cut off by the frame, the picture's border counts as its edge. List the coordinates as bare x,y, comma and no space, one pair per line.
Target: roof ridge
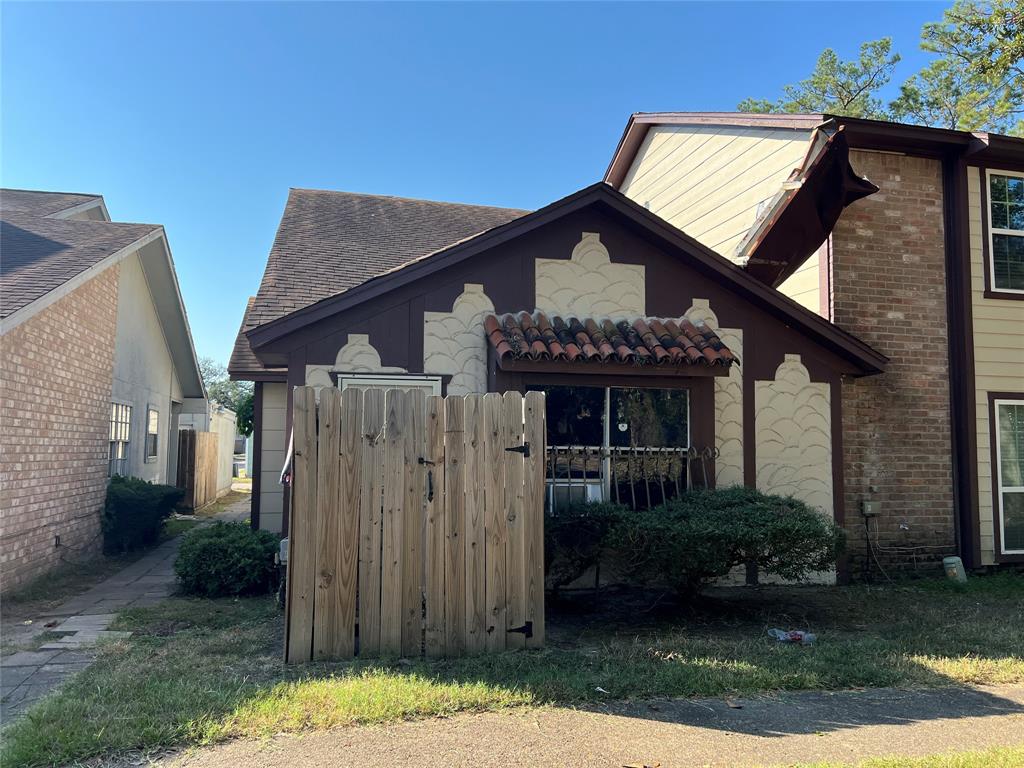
50,192
405,199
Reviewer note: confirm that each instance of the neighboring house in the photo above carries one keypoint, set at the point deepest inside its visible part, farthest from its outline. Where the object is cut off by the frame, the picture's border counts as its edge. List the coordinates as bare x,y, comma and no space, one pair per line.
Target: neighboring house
656,352
928,270
97,369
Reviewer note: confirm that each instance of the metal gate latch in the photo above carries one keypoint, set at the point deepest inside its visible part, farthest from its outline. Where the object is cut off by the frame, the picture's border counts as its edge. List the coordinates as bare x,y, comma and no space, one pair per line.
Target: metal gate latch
527,628
523,449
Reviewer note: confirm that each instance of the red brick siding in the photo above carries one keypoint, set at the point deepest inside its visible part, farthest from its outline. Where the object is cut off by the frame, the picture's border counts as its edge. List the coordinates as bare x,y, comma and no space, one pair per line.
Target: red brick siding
889,286
55,384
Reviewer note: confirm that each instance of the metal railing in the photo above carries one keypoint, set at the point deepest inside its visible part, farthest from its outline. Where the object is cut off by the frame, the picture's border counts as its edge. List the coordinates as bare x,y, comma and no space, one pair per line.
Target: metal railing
640,477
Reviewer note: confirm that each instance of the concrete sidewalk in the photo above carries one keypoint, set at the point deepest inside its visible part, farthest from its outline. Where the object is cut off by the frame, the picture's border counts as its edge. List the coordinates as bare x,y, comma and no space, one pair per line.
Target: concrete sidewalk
844,727
82,622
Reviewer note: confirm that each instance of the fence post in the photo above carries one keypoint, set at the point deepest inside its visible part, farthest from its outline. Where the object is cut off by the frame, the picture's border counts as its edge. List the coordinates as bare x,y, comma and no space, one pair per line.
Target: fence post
302,541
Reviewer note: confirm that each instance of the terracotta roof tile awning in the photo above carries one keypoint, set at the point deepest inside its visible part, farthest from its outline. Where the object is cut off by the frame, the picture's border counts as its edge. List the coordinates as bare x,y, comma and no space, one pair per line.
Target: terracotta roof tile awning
659,343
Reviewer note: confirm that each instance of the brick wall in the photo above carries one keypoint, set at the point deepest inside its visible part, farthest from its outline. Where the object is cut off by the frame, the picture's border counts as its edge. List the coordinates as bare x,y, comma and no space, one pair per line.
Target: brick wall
888,272
55,383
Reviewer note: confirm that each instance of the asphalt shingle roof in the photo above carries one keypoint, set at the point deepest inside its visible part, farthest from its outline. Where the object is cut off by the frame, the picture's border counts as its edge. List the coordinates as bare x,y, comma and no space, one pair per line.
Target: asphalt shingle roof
39,254
39,203
328,242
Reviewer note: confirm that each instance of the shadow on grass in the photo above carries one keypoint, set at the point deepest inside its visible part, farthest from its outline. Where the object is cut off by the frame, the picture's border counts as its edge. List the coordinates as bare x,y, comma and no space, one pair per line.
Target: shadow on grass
198,671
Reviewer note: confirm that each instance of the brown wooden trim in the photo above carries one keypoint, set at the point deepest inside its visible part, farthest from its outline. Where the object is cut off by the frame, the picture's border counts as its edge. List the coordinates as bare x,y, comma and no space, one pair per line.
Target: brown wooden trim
257,455
960,342
996,526
866,360
277,376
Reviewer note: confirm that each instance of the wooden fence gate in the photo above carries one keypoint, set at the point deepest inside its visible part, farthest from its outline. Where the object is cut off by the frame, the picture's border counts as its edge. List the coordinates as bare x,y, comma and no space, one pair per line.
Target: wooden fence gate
418,520
197,467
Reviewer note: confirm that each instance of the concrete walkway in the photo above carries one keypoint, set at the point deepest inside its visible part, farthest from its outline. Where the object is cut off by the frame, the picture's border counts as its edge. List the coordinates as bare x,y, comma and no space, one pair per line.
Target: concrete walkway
83,622
843,727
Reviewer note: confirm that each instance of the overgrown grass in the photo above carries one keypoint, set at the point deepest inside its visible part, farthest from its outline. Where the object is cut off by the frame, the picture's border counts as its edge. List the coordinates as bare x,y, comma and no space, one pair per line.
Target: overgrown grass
200,671
223,503
176,526
1005,757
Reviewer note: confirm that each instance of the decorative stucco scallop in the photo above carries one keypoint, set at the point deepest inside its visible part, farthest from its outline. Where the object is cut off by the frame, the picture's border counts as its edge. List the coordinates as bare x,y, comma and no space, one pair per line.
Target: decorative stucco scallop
454,342
357,356
589,284
793,424
728,400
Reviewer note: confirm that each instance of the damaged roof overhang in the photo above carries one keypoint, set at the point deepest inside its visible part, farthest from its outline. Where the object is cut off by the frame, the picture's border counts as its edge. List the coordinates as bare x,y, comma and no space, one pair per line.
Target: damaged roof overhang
801,216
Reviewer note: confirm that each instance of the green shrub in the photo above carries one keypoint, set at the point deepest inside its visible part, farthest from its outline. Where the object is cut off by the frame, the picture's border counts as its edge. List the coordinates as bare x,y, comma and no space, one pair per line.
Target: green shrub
134,512
704,534
575,540
227,559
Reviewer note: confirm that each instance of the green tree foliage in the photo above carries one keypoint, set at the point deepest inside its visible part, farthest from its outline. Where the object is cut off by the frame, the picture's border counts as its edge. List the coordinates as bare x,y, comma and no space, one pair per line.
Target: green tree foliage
976,81
838,87
236,395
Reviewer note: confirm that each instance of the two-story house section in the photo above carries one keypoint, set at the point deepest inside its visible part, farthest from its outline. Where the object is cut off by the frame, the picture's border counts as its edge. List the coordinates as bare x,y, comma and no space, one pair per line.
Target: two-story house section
911,238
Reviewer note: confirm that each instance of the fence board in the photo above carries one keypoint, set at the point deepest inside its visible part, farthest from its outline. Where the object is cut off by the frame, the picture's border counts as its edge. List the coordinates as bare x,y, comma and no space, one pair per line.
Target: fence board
494,523
349,491
455,523
413,517
515,542
434,554
395,403
370,502
535,433
302,539
475,539
327,599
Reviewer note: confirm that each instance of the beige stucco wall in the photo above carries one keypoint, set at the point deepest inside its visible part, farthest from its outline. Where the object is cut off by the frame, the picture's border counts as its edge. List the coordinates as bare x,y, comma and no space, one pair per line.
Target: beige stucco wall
272,450
590,284
793,425
710,180
143,370
454,342
998,359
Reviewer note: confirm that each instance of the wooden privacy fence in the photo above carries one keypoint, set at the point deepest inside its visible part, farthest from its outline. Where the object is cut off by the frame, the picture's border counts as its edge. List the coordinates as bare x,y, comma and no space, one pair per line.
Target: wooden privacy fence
417,524
197,467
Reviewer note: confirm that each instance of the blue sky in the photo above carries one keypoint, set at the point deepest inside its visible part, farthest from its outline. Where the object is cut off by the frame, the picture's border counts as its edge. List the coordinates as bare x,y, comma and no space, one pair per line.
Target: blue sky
201,116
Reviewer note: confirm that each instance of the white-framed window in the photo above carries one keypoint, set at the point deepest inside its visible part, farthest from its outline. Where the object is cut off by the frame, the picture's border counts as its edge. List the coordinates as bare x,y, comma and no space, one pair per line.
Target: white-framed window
152,434
429,384
1009,469
1006,231
120,437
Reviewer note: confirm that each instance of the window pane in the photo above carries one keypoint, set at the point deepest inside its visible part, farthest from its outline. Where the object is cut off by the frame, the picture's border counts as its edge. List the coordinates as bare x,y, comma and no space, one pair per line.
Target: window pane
1008,261
154,422
1016,216
1000,216
1013,521
1015,189
575,415
649,417
1011,445
997,188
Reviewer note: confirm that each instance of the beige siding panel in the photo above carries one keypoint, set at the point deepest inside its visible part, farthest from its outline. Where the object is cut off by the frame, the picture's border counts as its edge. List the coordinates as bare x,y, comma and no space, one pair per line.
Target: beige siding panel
272,451
803,286
710,180
998,360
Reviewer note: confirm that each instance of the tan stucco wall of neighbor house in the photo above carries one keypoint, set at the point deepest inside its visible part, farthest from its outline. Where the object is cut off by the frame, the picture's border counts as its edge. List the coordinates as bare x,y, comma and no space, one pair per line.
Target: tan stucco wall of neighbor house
55,383
223,423
272,451
144,374
998,359
709,180
804,285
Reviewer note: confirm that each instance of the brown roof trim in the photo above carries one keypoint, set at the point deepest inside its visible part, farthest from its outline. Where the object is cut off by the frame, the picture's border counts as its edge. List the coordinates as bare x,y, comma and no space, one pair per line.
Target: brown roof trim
866,359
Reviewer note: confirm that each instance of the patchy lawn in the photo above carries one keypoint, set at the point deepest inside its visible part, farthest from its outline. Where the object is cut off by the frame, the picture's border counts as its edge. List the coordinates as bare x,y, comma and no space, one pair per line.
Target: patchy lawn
1008,757
223,503
175,526
200,671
